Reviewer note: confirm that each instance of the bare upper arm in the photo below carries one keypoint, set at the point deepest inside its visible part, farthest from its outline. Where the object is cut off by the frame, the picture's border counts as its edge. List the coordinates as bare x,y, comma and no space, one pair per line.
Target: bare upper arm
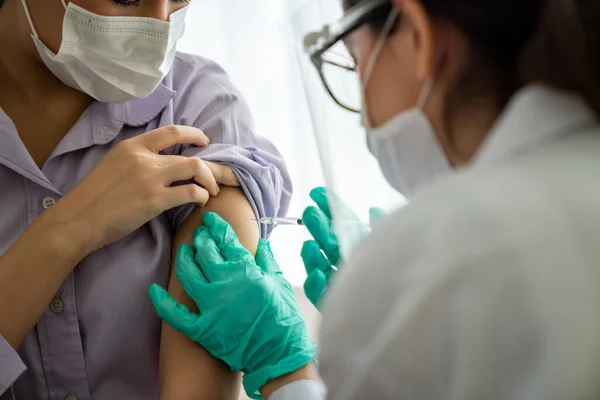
233,206
187,371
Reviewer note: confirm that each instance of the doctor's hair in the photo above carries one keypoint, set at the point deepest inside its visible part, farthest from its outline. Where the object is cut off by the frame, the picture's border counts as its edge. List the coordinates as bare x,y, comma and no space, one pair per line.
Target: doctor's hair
516,42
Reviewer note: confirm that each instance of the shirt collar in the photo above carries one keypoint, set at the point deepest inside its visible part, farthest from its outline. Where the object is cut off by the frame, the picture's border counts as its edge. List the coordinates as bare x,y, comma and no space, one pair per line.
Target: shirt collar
14,155
99,125
535,115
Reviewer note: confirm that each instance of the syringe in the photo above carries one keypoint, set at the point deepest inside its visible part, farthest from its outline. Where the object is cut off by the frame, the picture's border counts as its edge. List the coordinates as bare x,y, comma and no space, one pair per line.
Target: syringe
281,221
291,221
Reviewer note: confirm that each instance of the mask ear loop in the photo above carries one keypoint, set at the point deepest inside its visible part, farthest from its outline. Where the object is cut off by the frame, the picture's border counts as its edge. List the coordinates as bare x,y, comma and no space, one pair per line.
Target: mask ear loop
387,28
28,14
26,8
425,92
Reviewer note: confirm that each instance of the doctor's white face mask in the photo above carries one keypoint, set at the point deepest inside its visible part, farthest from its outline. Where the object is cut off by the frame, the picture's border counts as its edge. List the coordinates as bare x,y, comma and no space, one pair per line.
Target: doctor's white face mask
112,59
406,147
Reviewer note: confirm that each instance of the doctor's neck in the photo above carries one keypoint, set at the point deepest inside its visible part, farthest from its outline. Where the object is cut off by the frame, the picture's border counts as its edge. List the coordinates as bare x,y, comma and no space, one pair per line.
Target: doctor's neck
462,130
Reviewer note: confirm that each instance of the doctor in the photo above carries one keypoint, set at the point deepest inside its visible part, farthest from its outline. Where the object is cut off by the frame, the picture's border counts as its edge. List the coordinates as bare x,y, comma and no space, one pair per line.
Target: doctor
487,286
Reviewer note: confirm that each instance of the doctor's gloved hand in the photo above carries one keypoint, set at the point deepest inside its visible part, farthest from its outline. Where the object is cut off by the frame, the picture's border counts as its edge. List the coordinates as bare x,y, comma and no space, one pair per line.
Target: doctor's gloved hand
321,256
249,317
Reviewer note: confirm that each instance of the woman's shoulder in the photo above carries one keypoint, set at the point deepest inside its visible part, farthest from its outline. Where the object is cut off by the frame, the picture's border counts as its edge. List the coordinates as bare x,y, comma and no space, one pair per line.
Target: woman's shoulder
202,86
194,73
188,68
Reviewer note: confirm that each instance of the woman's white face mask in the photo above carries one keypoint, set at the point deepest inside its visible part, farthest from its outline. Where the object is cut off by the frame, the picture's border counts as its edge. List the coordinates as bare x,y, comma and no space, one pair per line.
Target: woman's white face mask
406,147
112,59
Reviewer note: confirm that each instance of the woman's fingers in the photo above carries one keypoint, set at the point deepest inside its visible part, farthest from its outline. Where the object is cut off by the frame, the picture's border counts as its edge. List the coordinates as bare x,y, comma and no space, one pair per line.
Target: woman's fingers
171,135
185,194
186,168
223,174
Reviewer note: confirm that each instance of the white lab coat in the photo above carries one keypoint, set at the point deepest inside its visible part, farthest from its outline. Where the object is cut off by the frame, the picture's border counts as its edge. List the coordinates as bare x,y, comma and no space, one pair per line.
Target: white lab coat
487,286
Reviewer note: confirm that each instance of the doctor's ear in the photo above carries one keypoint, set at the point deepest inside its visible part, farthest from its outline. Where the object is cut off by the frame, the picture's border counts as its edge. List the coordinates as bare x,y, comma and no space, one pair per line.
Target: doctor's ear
417,27
440,48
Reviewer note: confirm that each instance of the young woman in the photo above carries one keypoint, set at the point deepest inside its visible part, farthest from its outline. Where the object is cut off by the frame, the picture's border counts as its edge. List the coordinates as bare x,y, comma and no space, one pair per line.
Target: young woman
487,286
108,141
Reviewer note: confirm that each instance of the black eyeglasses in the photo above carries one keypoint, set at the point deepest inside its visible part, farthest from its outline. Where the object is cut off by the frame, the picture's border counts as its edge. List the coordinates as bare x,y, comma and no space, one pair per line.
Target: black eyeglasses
330,56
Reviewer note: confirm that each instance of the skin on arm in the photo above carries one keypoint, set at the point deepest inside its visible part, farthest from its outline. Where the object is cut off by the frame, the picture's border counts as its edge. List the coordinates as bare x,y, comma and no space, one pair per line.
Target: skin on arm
187,371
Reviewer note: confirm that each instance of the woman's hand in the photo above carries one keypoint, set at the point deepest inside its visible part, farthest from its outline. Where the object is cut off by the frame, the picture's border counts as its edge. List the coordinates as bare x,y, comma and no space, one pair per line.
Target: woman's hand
134,183
249,317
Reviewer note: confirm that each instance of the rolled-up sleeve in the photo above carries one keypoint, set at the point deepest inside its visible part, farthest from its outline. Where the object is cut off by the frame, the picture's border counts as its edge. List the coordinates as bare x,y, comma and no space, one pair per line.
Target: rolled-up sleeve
11,366
210,102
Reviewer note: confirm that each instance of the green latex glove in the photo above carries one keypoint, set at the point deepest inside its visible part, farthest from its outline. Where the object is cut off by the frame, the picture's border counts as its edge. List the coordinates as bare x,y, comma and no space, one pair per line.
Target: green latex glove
249,317
322,256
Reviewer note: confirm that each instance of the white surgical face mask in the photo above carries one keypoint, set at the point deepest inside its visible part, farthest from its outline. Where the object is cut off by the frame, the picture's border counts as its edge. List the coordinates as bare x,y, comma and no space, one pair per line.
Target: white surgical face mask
406,147
112,59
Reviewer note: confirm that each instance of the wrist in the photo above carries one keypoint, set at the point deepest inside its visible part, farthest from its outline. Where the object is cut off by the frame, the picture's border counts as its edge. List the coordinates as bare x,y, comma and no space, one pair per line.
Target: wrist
297,362
70,238
305,373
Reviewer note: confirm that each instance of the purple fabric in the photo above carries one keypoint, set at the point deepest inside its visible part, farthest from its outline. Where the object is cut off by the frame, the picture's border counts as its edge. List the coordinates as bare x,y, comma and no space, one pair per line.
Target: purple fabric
104,345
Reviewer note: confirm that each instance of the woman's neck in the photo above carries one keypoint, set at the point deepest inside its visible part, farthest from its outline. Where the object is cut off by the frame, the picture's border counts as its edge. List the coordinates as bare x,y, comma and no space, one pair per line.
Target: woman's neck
42,108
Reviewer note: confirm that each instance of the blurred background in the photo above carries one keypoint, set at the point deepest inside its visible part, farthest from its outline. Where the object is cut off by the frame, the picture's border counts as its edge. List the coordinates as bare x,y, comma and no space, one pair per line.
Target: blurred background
258,43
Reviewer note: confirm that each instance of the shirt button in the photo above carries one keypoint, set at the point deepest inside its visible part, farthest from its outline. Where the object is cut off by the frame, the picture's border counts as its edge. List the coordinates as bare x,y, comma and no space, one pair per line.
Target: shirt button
48,202
72,397
57,306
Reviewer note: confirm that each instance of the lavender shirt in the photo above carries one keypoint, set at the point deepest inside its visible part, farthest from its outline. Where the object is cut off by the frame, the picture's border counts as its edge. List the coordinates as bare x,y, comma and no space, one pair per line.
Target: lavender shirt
99,339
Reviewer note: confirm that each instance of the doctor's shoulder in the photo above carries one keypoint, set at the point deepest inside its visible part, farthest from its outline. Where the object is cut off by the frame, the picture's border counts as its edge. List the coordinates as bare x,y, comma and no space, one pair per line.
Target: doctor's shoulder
535,224
488,265
533,203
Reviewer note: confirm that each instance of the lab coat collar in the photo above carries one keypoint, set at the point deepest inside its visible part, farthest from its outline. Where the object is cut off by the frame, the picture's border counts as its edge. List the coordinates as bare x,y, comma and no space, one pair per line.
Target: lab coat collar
534,116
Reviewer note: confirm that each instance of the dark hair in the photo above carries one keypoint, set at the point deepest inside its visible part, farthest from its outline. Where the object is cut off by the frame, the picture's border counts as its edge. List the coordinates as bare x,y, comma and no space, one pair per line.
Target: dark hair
516,42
